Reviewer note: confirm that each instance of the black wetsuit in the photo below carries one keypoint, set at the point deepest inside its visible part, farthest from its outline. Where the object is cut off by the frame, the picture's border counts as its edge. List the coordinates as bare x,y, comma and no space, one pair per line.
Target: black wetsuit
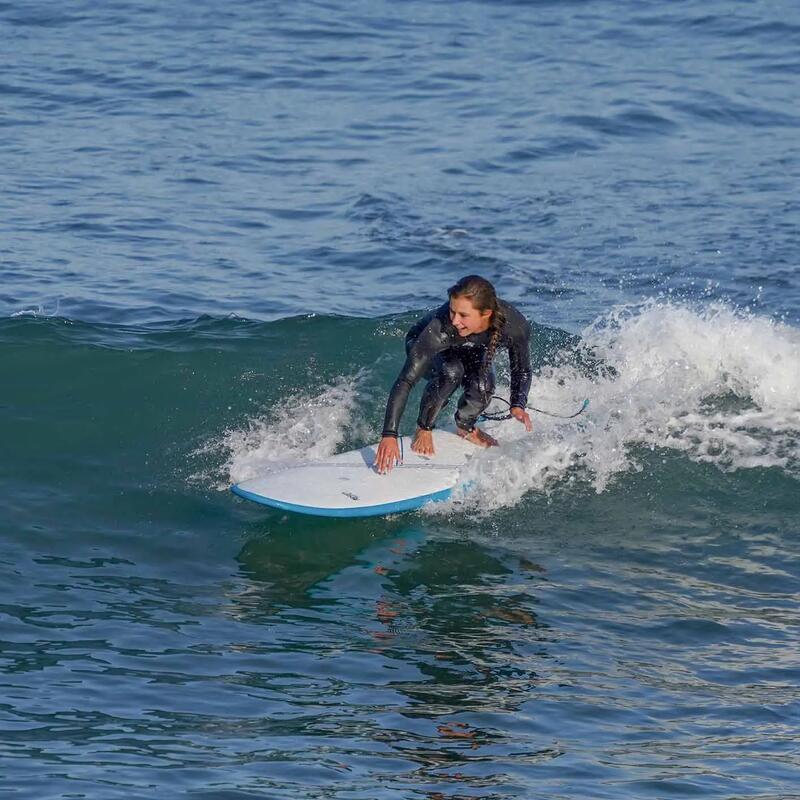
436,351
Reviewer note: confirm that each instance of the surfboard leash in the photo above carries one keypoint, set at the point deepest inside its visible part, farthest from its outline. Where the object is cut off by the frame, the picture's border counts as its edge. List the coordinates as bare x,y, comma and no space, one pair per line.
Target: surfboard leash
499,416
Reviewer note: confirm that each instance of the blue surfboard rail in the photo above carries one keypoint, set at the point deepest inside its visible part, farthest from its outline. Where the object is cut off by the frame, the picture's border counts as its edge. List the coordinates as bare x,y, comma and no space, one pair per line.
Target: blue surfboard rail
409,504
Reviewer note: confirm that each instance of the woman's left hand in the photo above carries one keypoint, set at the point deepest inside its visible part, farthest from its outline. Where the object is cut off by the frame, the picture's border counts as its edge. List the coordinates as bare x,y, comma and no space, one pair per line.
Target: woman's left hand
521,415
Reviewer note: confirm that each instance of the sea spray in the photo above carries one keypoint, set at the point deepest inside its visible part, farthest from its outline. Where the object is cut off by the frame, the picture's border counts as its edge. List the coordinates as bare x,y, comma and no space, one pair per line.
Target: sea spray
716,384
304,426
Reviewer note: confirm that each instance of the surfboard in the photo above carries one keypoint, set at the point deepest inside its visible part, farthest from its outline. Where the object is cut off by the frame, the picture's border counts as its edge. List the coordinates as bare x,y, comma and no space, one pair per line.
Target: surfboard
347,485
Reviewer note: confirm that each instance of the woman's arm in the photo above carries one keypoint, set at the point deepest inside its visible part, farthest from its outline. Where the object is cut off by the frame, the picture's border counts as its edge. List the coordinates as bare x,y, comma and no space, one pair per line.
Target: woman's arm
519,358
431,340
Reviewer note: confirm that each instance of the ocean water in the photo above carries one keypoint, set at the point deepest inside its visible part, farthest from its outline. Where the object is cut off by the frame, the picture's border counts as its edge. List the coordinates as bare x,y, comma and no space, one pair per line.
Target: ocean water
217,221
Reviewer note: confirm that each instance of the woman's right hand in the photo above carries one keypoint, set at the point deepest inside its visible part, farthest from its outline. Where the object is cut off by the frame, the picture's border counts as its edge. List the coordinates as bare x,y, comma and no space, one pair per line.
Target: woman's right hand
388,454
423,442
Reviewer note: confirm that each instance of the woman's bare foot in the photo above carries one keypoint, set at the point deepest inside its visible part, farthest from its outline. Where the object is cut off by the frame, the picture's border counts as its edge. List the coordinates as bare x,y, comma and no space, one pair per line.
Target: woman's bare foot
423,442
479,437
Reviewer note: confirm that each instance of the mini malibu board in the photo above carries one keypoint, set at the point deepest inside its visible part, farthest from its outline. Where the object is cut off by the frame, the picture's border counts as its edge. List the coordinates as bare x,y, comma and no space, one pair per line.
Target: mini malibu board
347,485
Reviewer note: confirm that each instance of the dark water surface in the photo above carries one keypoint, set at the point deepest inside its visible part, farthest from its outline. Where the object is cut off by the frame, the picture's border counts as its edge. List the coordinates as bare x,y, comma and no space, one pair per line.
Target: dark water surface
217,222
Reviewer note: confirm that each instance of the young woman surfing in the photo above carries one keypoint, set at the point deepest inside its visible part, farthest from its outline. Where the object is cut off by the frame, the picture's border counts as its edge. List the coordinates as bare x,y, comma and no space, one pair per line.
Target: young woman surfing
451,347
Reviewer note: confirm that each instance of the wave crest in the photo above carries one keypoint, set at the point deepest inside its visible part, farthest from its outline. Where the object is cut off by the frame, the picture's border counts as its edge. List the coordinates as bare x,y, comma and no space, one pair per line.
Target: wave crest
716,384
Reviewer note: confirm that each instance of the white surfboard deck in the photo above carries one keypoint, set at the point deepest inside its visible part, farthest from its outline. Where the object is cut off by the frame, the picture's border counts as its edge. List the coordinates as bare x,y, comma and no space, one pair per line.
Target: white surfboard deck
347,485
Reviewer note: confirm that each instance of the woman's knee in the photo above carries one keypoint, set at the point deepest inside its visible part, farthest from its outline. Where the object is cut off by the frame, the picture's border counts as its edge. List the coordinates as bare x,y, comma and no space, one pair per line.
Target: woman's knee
479,393
451,372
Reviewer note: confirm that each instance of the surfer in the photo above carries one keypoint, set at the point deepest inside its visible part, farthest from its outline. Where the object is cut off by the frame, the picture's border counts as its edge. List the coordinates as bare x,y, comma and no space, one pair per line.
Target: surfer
454,346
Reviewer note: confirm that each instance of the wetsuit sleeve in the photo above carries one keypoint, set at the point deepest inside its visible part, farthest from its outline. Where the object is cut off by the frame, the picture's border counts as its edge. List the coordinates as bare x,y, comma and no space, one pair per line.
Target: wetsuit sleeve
431,340
519,358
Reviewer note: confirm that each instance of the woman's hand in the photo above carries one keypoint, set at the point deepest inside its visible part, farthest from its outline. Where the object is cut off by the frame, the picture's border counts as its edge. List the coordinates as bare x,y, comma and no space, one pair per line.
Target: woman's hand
388,454
423,442
521,415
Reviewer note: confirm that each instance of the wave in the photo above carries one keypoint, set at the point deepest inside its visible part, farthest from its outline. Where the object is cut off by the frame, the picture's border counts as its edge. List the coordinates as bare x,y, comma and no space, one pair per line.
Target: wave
712,384
715,385
220,398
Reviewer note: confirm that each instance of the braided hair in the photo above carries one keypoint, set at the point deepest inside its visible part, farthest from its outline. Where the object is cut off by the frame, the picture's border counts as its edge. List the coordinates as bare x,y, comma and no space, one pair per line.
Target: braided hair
483,297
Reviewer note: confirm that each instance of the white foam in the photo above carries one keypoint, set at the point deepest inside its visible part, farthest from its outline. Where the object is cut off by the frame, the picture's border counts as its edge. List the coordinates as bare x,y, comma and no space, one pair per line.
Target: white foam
718,385
302,427
39,311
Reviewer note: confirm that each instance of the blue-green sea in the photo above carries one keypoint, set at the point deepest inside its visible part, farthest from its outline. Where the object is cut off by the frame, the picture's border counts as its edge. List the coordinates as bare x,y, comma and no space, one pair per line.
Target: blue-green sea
217,222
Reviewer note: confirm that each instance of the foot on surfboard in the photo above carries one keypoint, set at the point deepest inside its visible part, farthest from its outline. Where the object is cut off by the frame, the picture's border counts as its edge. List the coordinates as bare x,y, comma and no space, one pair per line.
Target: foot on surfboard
479,437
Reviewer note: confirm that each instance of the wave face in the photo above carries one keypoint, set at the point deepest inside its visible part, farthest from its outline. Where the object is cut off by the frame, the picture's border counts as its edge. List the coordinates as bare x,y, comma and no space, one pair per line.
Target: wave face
673,388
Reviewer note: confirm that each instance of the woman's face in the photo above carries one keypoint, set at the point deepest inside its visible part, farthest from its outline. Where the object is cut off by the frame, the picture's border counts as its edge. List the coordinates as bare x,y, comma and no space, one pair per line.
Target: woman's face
466,318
